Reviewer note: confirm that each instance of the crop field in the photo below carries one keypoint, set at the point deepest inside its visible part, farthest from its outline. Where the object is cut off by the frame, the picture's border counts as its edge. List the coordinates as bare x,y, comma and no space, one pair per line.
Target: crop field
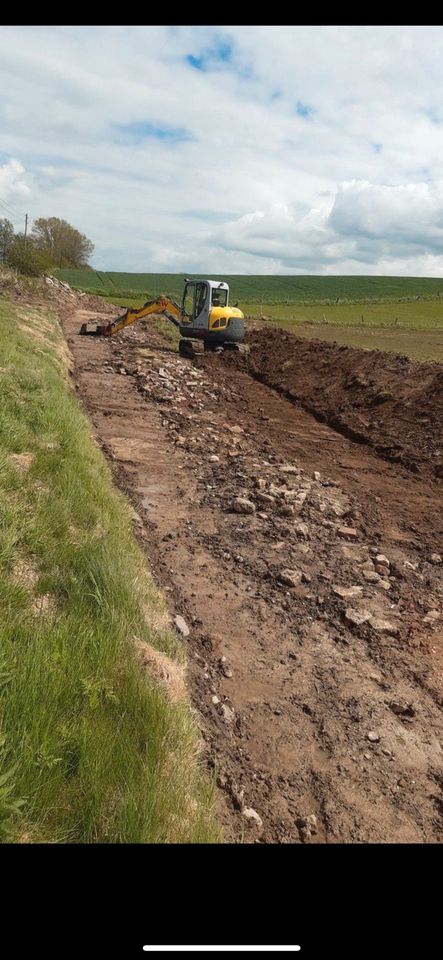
261,290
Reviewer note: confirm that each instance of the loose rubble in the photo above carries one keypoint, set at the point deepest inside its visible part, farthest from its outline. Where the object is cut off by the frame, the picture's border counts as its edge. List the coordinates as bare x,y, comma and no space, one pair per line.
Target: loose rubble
311,609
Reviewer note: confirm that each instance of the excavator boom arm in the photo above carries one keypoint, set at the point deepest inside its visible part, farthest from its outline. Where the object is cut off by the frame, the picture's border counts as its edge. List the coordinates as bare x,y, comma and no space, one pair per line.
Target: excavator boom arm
164,305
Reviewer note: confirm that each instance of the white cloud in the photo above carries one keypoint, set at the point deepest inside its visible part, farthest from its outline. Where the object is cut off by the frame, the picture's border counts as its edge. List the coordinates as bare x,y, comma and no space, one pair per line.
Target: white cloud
13,180
350,182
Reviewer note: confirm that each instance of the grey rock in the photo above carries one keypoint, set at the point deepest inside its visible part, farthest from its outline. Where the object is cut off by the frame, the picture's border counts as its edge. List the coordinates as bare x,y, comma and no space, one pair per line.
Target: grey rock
252,816
302,530
357,617
182,626
382,560
242,505
347,592
290,578
307,826
431,617
371,576
383,626
225,668
348,533
228,713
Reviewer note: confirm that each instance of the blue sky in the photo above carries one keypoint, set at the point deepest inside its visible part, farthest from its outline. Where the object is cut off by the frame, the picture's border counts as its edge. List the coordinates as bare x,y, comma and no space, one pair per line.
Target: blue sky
230,149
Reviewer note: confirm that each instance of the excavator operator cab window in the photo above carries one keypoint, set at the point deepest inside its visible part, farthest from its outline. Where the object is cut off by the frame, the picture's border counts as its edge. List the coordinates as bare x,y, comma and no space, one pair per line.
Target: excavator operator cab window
188,303
200,299
219,297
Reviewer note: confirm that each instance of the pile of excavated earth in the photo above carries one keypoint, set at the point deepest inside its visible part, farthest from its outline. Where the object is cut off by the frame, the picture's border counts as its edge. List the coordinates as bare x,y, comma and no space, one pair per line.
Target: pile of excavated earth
289,504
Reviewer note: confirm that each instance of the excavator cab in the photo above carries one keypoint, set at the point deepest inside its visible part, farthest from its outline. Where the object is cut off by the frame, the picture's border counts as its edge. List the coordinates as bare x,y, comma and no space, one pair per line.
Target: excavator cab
195,304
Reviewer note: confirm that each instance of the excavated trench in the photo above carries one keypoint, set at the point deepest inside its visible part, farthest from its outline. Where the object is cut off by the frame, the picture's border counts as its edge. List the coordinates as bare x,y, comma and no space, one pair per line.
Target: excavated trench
307,567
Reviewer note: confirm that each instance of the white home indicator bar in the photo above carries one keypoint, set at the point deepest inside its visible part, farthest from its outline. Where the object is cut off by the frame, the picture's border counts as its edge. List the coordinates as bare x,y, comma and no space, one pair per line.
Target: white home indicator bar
228,949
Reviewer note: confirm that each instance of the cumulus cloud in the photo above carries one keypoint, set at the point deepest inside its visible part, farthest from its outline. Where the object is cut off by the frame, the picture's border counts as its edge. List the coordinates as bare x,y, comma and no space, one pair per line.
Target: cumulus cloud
13,180
230,149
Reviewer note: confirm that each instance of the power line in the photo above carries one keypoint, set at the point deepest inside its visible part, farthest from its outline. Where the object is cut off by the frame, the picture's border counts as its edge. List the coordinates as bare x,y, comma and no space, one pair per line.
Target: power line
13,213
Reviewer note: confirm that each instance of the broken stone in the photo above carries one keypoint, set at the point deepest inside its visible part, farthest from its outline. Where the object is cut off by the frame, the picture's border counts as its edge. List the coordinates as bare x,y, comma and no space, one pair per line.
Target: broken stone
316,475
182,626
307,826
289,495
383,626
348,533
290,578
215,700
402,709
373,736
431,617
225,668
228,713
252,816
302,530
357,617
435,558
242,505
382,560
385,585
264,497
371,576
214,458
347,592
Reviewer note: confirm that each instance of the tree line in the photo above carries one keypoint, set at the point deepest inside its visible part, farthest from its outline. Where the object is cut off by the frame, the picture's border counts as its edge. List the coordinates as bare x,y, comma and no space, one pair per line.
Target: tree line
51,243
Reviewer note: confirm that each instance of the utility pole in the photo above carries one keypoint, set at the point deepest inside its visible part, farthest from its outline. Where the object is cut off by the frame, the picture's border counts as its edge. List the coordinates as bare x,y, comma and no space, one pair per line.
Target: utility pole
26,227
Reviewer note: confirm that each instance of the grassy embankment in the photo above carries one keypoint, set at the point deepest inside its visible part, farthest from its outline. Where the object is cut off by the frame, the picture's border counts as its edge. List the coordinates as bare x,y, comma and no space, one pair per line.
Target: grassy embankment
91,748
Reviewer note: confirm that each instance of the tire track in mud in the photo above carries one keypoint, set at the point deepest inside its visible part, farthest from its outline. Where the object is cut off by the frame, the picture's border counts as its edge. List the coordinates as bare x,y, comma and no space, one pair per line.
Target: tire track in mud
321,721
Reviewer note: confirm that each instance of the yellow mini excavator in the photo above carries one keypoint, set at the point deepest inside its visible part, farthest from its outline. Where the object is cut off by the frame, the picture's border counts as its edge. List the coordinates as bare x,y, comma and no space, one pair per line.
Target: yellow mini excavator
204,316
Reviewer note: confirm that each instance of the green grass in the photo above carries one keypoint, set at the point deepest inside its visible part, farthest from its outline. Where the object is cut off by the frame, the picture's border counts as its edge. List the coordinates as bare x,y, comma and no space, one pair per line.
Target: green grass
91,749
259,289
422,314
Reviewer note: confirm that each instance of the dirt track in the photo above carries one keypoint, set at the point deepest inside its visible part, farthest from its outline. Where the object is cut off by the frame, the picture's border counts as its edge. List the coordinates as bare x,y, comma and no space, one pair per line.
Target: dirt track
325,717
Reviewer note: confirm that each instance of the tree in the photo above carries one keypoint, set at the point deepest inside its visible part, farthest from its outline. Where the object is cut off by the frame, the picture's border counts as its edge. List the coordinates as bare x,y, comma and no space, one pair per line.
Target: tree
27,258
63,243
6,238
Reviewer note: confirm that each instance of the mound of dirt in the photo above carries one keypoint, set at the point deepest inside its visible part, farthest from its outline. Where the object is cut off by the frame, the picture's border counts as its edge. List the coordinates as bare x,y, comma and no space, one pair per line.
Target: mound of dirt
39,291
385,400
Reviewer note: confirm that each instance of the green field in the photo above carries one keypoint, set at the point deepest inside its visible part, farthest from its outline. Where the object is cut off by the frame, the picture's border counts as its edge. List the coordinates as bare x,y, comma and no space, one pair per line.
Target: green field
260,290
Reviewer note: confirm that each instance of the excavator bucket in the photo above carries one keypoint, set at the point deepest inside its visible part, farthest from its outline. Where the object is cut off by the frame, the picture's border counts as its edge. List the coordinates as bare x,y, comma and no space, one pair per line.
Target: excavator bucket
92,329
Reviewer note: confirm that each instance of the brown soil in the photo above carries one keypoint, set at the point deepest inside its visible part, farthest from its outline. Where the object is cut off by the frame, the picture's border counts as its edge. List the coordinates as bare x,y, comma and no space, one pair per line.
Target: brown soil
314,667
383,399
